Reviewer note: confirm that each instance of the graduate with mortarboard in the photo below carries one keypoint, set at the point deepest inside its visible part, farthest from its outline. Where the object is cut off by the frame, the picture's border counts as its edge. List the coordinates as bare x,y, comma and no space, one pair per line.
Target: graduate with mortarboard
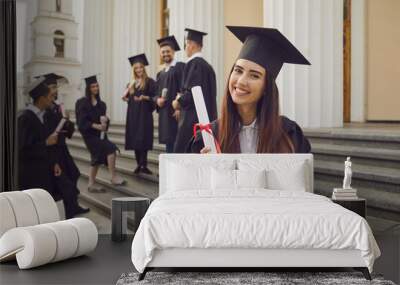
38,154
139,118
250,121
197,72
53,116
169,83
93,125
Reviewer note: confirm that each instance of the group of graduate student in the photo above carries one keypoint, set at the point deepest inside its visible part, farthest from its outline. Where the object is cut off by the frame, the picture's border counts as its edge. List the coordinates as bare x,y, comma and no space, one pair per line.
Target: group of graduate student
44,158
169,95
249,120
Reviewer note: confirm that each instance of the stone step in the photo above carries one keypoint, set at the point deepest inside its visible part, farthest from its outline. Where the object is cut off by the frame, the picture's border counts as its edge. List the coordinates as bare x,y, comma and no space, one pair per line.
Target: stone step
378,174
366,156
126,164
126,161
381,154
358,138
102,202
137,185
120,142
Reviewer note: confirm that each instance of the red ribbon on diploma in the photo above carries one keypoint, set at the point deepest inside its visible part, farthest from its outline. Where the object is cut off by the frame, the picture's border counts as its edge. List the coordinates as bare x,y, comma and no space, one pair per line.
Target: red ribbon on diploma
206,128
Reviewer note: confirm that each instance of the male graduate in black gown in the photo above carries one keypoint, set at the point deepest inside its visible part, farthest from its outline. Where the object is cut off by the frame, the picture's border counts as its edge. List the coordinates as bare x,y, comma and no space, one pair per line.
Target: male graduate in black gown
53,116
197,72
38,155
169,83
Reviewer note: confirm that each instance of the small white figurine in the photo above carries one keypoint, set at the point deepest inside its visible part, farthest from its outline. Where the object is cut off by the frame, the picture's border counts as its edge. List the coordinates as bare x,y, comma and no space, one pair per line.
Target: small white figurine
347,174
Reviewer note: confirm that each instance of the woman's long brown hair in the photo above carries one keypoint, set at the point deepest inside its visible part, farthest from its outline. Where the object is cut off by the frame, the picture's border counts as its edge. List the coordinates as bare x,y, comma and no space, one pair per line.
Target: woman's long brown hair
143,83
271,136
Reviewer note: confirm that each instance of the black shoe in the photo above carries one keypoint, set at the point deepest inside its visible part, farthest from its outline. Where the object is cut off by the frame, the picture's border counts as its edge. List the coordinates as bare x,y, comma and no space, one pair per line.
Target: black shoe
137,170
80,210
146,170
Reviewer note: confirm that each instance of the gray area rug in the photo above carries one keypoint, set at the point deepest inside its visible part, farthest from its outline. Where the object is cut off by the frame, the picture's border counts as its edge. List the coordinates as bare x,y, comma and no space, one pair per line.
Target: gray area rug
242,278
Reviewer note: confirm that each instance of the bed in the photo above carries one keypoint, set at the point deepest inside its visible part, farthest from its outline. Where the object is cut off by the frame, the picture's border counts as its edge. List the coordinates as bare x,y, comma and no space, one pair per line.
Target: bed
247,211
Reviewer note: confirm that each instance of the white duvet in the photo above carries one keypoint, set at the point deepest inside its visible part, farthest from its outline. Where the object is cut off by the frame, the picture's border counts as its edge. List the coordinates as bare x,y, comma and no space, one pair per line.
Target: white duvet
253,218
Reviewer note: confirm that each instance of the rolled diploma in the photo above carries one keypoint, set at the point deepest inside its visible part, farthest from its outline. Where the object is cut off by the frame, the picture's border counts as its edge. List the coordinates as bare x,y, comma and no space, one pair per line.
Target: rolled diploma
164,93
103,121
202,114
60,125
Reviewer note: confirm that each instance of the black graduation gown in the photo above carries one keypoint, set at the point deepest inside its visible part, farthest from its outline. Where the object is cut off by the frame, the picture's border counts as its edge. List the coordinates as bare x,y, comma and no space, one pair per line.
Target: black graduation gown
172,80
51,118
197,72
293,130
139,119
86,115
35,160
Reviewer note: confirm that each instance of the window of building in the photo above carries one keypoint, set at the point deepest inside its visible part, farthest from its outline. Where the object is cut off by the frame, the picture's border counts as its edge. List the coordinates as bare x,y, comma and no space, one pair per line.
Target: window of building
59,43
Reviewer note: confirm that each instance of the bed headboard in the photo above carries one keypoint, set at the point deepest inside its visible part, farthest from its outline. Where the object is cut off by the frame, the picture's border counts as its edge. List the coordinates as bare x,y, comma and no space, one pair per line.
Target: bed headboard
165,159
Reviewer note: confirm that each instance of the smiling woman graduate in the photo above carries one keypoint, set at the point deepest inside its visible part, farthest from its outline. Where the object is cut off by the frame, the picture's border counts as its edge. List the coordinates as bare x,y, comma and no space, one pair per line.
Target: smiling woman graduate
250,121
139,117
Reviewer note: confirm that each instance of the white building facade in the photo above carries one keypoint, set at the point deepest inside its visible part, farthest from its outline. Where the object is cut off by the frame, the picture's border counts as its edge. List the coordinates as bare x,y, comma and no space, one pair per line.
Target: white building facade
100,35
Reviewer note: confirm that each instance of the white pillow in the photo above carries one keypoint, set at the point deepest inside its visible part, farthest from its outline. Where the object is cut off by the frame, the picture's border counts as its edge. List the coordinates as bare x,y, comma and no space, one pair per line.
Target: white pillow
292,179
193,175
251,178
223,179
227,179
183,178
282,174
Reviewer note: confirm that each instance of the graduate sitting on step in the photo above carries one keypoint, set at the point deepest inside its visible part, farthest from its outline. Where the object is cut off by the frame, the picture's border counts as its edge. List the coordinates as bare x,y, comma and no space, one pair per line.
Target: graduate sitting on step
93,125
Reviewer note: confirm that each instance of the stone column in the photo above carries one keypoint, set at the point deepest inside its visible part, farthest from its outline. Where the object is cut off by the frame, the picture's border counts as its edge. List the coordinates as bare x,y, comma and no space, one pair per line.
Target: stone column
311,95
206,16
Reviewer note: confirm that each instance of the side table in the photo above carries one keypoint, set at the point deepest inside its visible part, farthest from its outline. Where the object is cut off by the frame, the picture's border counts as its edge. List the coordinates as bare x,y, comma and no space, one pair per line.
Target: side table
119,218
358,205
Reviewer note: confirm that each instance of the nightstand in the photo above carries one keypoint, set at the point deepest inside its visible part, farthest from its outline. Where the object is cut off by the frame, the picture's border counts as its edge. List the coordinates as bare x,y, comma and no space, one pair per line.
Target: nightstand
358,206
119,219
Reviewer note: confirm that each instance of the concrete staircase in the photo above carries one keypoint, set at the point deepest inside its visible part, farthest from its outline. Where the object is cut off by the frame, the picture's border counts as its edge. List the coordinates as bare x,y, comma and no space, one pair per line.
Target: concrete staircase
375,157
137,185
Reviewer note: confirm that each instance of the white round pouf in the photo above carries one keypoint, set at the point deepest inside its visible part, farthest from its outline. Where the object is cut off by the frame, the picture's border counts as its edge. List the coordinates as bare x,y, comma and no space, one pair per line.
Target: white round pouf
87,235
34,246
6,215
23,207
67,240
45,206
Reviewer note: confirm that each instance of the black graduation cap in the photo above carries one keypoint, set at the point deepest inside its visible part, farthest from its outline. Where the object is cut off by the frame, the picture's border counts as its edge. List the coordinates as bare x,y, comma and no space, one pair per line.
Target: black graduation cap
139,58
38,88
171,41
267,47
194,35
52,78
91,80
